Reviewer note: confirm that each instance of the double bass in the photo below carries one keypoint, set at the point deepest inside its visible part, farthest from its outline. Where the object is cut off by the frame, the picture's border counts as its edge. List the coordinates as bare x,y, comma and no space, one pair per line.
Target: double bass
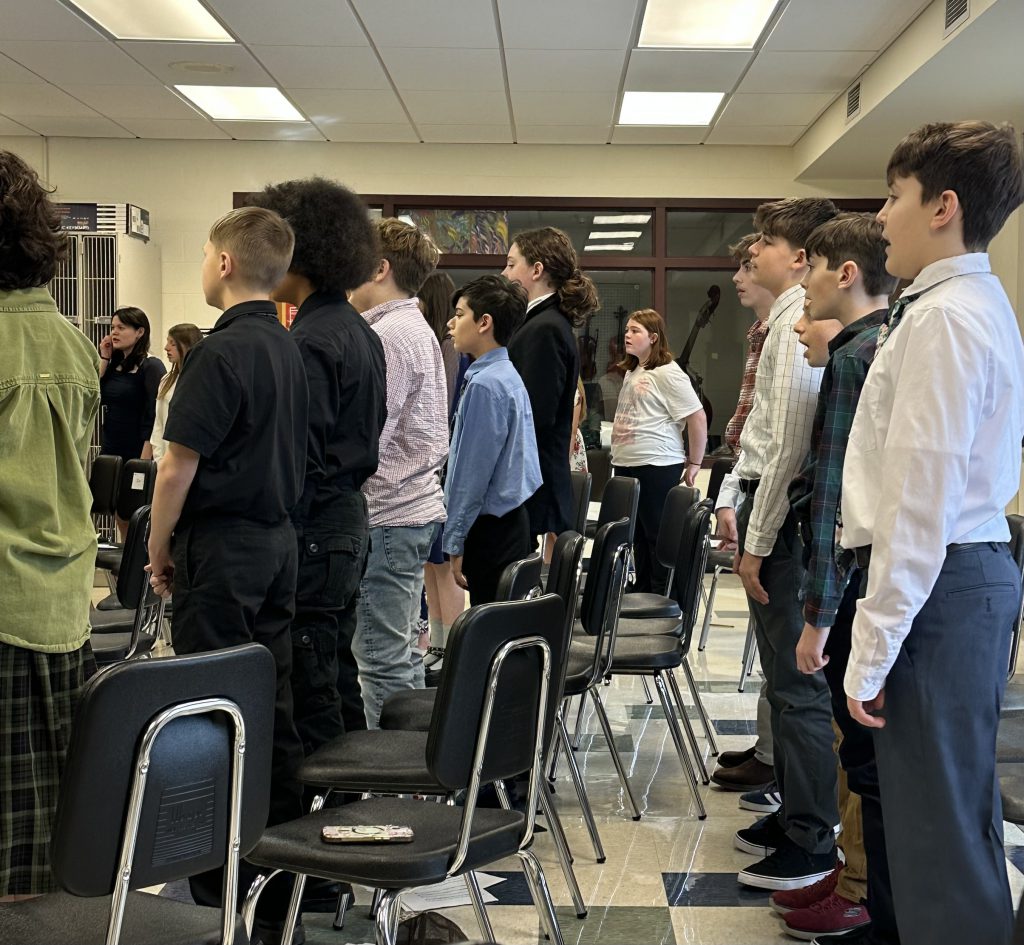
703,318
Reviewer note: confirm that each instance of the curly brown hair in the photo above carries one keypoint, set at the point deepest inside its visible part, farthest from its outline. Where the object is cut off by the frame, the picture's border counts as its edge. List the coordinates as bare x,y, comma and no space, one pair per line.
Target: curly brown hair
31,240
577,294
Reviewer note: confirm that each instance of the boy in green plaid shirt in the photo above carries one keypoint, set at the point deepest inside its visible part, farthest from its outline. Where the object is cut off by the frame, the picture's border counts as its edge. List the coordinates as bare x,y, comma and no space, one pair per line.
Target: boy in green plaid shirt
847,282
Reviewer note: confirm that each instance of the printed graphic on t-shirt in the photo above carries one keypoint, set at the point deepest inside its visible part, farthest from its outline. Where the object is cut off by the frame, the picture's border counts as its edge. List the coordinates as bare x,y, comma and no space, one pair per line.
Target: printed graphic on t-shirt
627,417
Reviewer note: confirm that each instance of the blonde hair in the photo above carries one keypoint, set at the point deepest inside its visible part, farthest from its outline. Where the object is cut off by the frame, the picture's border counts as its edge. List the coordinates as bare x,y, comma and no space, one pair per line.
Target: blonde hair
261,243
185,337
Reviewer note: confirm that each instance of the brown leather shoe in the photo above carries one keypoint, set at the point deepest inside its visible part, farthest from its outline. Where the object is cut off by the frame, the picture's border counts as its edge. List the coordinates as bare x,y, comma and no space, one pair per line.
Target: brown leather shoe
730,759
748,776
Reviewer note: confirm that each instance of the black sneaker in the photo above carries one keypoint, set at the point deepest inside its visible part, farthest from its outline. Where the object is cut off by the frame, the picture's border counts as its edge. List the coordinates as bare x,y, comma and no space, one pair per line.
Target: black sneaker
858,936
761,838
789,867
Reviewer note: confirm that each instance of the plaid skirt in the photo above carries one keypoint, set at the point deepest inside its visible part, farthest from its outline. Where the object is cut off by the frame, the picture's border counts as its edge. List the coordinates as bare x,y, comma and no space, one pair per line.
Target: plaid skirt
38,696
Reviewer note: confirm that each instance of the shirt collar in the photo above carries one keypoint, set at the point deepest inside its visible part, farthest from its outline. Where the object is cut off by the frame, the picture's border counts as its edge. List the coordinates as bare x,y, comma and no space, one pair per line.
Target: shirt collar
873,320
319,300
943,269
533,303
783,302
486,360
395,306
256,307
757,331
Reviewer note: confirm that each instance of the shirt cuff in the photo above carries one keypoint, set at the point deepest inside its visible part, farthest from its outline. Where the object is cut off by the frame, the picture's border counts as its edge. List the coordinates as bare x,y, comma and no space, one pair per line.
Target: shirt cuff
861,682
819,617
757,544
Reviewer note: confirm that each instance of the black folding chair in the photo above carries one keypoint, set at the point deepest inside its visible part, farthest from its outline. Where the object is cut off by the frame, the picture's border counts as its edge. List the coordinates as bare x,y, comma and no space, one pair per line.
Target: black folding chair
167,775
487,725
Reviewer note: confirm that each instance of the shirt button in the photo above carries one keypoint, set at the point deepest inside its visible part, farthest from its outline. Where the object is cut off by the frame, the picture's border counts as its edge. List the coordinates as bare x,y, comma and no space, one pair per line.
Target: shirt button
305,638
314,547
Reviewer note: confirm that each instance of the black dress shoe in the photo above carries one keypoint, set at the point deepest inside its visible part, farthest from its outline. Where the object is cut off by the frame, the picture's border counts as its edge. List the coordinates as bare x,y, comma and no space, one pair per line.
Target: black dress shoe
730,759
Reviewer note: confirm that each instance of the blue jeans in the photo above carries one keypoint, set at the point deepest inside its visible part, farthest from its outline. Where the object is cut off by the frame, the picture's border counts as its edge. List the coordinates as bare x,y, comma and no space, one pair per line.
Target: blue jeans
389,604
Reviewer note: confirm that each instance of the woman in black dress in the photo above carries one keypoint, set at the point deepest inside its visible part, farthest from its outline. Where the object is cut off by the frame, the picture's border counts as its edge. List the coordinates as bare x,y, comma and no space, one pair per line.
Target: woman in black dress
129,381
544,351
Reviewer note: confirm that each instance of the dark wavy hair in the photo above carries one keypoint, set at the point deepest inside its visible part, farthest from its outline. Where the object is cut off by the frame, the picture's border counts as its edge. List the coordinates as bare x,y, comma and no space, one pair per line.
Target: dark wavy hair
435,297
336,244
31,240
134,318
577,295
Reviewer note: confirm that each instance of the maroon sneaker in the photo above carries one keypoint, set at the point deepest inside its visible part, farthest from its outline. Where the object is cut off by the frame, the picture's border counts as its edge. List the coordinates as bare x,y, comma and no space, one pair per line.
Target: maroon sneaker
786,900
831,915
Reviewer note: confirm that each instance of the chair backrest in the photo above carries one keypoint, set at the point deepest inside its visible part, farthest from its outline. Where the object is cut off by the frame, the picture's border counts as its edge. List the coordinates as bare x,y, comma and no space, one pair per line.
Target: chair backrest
1016,524
104,482
565,575
580,500
133,589
599,462
521,578
186,798
690,563
477,639
620,500
720,468
138,479
670,531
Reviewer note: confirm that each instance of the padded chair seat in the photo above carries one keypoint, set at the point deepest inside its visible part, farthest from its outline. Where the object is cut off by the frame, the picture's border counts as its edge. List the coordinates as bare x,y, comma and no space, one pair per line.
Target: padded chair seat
113,646
635,654
408,710
655,626
109,621
296,846
148,920
648,605
393,762
109,559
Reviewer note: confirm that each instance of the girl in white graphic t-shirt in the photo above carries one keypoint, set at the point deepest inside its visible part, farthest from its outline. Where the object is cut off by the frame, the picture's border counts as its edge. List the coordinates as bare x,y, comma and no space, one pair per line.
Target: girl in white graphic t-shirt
655,403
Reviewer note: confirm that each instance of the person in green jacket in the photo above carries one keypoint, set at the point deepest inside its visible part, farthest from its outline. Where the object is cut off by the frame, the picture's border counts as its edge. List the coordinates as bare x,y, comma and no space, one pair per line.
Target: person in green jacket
49,398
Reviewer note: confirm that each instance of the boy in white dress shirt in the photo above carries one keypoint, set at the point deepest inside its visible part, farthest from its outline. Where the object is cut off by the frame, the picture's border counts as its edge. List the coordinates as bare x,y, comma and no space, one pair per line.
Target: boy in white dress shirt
933,459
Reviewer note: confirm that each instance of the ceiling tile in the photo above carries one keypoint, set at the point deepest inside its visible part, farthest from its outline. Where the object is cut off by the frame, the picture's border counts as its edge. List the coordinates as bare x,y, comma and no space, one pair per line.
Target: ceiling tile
572,70
337,130
457,108
566,24
774,109
756,134
182,63
446,70
125,101
68,63
46,20
564,108
189,128
321,67
271,130
684,70
417,23
376,106
57,127
10,127
804,71
11,72
632,134
42,99
467,134
831,25
305,23
562,134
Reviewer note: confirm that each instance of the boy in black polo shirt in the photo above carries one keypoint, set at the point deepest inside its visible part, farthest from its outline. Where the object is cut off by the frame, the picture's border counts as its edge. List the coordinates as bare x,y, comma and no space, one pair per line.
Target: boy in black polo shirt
232,474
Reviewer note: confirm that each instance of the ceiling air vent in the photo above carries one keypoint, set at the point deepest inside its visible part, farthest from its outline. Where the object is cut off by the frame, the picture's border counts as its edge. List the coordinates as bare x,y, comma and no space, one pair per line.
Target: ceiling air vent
957,13
853,101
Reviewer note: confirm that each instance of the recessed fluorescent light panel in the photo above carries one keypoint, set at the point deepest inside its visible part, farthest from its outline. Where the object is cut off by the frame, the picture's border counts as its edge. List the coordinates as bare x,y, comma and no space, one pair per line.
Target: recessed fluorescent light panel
615,235
165,20
669,108
608,247
241,103
619,219
705,24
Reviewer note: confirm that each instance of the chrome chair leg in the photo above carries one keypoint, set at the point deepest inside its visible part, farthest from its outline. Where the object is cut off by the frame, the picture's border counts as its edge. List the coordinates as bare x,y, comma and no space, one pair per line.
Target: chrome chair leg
616,760
677,738
344,904
691,735
647,692
562,850
294,907
375,902
581,792
579,724
477,899
749,649
705,719
709,609
387,915
538,884
252,897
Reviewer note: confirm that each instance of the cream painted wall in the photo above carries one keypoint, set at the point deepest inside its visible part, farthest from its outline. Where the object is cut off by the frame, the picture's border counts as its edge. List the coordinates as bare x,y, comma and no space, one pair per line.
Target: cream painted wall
186,184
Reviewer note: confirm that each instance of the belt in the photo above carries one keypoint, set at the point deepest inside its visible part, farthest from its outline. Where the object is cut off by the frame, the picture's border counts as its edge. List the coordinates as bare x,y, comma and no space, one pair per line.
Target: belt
863,553
749,486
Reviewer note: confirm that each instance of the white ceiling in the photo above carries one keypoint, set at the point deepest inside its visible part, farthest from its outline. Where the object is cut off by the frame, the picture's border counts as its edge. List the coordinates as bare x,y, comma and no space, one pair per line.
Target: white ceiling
529,71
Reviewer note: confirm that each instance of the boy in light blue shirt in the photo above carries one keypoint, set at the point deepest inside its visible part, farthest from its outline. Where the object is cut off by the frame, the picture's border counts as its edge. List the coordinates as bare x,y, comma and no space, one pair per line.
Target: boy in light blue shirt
492,466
